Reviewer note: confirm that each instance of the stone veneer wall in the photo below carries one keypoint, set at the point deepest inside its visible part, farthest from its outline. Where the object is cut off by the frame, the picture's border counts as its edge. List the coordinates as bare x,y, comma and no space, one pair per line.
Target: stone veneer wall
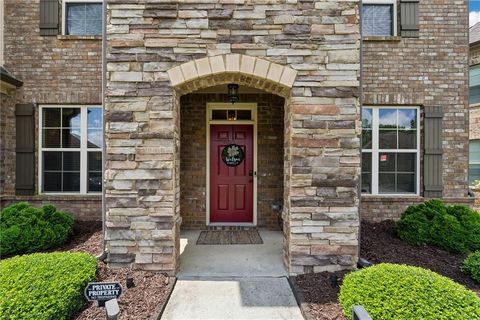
431,70
193,157
310,56
54,70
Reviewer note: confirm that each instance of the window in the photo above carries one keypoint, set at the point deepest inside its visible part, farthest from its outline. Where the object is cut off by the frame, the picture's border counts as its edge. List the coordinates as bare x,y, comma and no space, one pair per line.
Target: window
82,17
474,84
379,18
390,150
474,162
71,149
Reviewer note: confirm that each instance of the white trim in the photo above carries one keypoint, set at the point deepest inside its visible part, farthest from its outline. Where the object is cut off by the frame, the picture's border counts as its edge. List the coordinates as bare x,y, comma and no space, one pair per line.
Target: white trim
394,13
209,121
64,9
84,150
375,151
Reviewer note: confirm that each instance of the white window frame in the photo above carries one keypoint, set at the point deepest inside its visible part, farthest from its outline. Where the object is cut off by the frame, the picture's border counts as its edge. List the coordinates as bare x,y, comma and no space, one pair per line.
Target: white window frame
375,151
64,11
395,12
83,150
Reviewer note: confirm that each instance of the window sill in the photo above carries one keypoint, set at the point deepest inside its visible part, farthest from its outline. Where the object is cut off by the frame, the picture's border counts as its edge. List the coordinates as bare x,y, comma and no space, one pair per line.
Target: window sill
78,37
382,38
391,198
54,196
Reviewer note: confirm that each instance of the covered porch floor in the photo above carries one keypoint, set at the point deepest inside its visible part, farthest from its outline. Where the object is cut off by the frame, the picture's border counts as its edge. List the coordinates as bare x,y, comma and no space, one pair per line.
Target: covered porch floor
252,260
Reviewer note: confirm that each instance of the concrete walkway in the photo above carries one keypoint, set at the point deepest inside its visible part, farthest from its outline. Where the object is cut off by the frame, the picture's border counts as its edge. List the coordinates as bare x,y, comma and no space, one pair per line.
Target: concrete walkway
232,282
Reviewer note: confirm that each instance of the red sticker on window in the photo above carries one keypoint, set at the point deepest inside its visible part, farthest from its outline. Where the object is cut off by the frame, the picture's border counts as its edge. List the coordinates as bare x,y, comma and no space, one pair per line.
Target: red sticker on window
383,157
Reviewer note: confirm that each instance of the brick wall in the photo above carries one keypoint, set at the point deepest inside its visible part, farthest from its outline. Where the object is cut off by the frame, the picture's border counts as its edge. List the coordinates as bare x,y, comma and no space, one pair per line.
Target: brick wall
54,70
7,143
193,156
429,71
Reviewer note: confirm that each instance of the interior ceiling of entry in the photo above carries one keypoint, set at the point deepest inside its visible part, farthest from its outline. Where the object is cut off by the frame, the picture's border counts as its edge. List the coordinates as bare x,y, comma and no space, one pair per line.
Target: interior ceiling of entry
224,89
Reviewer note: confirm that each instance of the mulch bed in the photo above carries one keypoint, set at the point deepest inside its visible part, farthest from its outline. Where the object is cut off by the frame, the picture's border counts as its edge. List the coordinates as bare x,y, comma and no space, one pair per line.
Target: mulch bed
379,243
138,302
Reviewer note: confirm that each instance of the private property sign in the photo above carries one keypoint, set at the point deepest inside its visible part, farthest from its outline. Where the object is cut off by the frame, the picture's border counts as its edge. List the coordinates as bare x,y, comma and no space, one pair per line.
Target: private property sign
102,291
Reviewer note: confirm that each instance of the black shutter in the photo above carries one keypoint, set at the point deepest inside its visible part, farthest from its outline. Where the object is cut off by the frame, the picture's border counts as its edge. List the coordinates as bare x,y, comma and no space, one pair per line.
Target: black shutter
25,149
409,26
49,12
432,163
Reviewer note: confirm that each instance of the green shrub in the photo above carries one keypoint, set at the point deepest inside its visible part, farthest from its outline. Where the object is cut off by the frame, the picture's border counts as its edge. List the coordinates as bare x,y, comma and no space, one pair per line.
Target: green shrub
453,228
27,229
44,285
391,291
471,266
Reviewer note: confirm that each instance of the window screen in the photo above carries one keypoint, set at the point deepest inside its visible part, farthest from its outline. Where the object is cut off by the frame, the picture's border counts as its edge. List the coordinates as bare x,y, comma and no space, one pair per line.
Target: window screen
474,162
377,20
83,18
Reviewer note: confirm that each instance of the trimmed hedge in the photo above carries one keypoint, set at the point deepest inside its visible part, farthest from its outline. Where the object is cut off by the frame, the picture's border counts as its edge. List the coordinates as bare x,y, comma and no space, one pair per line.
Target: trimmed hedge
26,229
392,291
452,228
471,266
44,285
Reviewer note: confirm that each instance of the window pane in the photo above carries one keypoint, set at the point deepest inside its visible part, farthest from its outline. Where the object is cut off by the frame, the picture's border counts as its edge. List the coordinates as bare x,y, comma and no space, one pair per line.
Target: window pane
473,173
377,20
366,162
94,161
95,138
366,172
93,27
366,183
406,162
51,117
219,114
94,182
71,117
71,181
93,11
387,162
94,118
52,161
407,139
474,95
405,183
75,11
51,138
71,161
244,114
367,139
71,138
407,118
366,118
386,182
52,181
387,139
388,118
75,27
232,115
474,149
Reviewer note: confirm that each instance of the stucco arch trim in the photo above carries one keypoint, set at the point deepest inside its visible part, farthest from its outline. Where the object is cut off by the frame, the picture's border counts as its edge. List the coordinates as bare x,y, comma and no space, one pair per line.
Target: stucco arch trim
243,69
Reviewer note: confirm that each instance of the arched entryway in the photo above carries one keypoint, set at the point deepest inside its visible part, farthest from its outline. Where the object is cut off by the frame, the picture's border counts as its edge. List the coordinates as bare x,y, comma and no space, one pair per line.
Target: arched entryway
256,195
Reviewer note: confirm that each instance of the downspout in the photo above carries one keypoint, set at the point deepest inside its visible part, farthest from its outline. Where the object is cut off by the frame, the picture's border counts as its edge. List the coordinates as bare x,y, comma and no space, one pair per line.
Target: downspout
103,255
360,93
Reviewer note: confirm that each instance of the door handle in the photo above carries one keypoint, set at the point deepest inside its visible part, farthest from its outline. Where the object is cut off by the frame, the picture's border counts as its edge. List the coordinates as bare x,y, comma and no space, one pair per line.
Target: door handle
252,173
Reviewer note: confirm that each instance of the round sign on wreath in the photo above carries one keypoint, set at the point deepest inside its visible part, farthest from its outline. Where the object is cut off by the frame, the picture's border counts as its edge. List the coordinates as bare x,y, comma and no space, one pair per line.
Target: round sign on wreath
232,155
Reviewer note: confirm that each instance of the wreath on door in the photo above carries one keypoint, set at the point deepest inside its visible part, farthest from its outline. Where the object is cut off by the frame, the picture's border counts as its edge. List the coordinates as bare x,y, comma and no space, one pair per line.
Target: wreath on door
232,155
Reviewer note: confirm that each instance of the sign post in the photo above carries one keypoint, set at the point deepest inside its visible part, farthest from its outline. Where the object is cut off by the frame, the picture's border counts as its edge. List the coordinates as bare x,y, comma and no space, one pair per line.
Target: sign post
102,292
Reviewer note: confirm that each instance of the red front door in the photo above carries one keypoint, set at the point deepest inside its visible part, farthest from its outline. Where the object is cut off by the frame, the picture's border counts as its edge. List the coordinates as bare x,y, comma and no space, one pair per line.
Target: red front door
231,187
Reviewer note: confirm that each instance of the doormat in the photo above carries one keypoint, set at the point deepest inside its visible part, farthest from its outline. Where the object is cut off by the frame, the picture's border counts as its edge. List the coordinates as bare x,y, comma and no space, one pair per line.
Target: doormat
230,237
